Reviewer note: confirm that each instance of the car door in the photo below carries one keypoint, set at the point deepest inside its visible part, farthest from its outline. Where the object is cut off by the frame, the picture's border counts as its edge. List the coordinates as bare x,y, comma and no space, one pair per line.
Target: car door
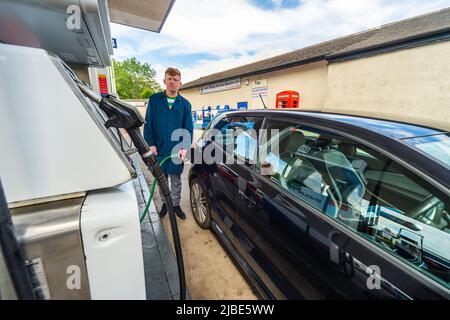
240,139
274,232
228,137
321,215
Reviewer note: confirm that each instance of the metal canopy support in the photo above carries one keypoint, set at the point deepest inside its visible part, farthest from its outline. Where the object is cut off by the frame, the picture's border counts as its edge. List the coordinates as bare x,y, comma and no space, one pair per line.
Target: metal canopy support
142,14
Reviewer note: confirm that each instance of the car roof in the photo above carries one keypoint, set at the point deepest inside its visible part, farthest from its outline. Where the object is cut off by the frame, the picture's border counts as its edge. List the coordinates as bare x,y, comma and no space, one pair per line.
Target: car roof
388,128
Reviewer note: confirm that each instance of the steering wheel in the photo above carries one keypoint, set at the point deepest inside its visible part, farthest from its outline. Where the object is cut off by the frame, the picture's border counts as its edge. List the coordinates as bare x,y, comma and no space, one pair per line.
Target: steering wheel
425,206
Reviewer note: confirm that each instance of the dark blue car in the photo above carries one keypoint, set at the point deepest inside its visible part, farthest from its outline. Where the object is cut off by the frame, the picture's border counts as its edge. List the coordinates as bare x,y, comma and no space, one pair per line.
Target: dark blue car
326,206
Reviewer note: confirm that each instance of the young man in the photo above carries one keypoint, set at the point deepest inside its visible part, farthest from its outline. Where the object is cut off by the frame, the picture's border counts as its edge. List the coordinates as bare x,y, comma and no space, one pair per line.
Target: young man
166,112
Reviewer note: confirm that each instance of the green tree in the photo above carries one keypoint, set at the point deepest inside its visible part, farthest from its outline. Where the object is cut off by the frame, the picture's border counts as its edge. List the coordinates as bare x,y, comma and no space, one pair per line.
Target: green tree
147,92
135,80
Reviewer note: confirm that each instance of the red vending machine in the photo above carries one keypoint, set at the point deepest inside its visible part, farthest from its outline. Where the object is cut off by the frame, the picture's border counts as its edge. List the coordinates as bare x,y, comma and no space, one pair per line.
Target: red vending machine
288,99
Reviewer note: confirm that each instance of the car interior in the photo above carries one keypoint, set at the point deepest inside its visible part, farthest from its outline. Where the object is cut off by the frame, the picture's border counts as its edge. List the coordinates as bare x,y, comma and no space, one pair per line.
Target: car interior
355,173
353,184
363,190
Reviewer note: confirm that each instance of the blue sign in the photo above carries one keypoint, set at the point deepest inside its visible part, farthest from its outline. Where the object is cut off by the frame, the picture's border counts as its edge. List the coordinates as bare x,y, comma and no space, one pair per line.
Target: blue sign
242,105
114,43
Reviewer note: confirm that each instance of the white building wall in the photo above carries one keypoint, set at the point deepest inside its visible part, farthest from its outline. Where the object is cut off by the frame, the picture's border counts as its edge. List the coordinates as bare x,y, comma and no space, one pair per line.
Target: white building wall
412,85
409,85
309,80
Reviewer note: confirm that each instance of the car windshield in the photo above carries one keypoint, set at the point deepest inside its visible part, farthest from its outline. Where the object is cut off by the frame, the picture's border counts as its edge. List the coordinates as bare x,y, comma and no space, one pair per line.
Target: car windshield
436,147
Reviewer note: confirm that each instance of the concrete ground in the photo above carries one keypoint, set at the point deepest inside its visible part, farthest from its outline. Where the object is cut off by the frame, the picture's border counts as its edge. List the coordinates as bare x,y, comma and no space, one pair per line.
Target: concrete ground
210,272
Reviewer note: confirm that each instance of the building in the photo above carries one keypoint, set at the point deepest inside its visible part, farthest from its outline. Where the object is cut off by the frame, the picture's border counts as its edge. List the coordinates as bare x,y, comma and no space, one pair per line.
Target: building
398,71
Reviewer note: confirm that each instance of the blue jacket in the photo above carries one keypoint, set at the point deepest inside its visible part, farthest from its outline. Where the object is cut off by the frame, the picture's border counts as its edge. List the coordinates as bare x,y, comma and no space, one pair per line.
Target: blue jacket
161,122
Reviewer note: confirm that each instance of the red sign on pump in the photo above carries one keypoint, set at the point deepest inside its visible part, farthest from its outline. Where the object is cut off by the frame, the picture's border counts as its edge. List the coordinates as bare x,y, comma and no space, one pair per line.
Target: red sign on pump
103,84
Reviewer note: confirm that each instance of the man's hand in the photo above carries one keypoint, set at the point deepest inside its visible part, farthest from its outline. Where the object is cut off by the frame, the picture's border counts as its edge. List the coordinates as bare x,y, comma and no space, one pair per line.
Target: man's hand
182,154
154,150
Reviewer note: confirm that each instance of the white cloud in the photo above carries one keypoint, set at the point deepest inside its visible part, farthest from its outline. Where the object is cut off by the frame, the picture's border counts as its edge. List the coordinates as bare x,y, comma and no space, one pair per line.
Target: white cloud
160,69
219,27
229,30
277,3
206,67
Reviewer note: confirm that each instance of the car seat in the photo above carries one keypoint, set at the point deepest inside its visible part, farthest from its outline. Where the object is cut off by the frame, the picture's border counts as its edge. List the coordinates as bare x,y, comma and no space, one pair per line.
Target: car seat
290,144
359,165
300,170
346,181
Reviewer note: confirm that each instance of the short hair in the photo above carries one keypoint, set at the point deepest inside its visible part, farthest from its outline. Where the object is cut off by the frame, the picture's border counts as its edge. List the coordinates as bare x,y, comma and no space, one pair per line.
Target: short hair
173,72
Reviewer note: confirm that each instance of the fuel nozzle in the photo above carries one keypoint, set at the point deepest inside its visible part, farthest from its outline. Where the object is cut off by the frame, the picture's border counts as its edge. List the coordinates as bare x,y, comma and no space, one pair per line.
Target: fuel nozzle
121,114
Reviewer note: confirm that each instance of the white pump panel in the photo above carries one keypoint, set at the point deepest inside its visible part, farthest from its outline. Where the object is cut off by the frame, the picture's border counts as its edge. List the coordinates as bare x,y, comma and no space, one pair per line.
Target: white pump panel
50,145
112,245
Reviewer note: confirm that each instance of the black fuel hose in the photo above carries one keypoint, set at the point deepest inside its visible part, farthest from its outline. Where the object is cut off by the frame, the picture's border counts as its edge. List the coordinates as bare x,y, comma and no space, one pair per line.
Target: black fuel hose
152,164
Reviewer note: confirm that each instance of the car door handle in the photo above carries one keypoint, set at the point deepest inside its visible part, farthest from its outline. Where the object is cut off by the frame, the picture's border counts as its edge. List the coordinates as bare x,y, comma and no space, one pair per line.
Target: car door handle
246,199
223,165
259,194
227,173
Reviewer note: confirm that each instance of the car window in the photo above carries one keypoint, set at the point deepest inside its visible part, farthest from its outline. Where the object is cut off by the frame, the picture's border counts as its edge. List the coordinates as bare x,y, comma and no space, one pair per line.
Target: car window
239,136
436,146
363,190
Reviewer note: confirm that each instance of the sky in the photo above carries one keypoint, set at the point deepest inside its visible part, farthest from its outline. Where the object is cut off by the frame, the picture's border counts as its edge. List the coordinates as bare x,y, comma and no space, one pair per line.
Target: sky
201,37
